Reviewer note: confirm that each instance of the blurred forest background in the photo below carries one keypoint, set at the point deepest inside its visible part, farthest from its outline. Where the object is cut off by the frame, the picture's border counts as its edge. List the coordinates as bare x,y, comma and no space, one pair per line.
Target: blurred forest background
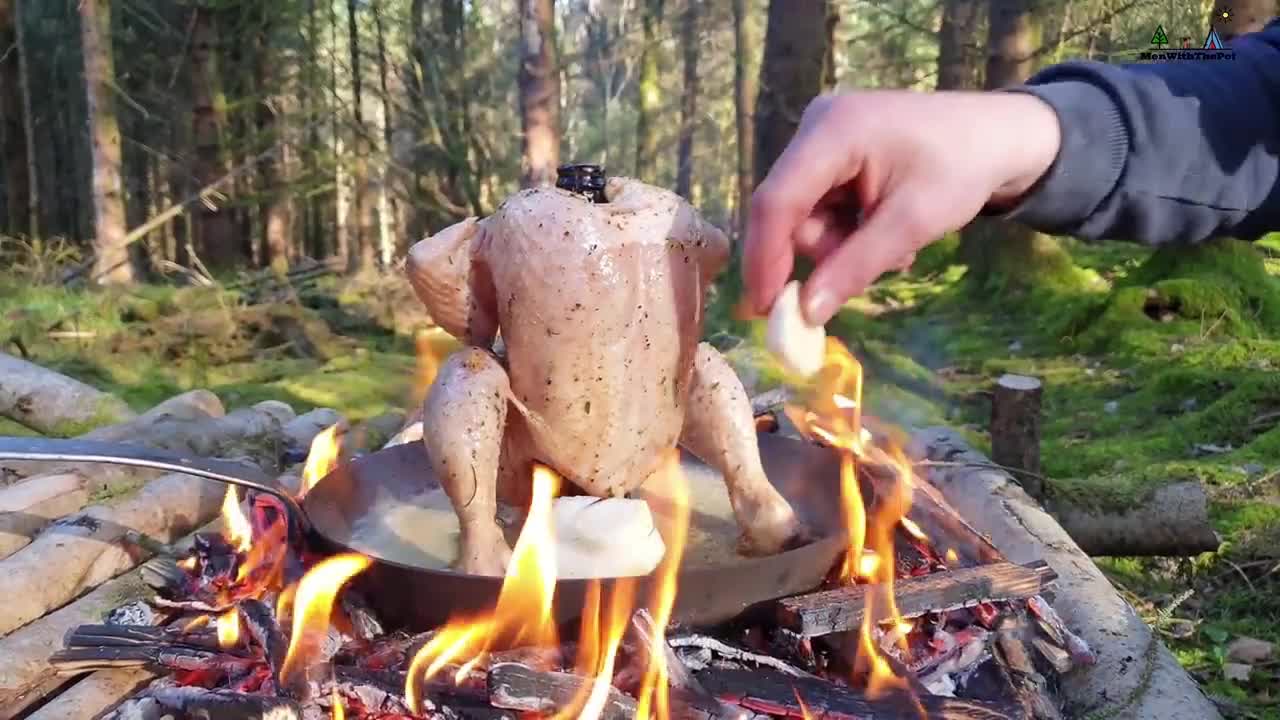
219,194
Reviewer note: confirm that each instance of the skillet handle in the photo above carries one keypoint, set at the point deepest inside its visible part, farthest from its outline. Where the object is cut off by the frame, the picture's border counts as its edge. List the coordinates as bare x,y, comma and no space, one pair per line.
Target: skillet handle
223,471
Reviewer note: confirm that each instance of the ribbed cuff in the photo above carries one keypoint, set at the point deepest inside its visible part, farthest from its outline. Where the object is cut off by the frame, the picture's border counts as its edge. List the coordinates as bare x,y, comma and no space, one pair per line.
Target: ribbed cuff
1095,145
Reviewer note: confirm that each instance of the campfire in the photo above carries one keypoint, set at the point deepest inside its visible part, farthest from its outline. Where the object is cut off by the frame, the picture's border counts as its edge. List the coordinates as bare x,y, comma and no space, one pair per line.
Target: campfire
921,617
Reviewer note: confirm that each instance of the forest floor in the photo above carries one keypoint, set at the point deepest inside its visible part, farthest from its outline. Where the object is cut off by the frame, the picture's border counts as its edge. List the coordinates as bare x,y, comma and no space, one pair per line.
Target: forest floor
1153,373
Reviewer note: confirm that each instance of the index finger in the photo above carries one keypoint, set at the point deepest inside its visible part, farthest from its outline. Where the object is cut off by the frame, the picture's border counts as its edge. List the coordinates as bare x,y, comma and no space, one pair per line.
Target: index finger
811,165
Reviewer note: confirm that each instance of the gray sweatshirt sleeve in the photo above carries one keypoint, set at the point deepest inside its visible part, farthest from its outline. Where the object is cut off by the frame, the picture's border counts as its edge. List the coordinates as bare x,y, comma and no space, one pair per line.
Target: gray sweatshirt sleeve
1171,152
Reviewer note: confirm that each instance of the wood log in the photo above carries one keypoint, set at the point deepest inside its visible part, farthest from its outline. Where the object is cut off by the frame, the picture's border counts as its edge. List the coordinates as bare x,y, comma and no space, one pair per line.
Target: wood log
1173,520
514,686
771,692
687,697
26,676
52,403
842,609
174,416
94,695
1015,428
1134,673
28,506
88,548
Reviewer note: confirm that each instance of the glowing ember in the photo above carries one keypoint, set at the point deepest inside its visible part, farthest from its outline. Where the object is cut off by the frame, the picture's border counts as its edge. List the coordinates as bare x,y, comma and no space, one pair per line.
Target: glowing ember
322,457
229,629
912,528
190,563
522,615
951,556
236,527
313,607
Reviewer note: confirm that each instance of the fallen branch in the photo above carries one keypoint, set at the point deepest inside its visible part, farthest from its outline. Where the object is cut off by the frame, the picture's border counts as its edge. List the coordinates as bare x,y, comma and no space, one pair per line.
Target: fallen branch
25,673
52,403
514,686
1128,651
842,609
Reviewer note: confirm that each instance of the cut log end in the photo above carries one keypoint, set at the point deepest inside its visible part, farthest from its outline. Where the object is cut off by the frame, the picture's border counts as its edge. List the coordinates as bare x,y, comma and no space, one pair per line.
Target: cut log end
1015,428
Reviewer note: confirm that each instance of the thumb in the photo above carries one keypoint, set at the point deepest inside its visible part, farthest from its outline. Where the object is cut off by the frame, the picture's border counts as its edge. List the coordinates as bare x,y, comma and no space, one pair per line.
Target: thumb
897,227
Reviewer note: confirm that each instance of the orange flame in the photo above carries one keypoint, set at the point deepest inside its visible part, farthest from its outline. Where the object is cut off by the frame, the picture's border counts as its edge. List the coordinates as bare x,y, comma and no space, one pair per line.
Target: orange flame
427,356
598,651
654,685
189,563
229,629
316,593
236,527
804,709
338,712
835,418
321,458
522,615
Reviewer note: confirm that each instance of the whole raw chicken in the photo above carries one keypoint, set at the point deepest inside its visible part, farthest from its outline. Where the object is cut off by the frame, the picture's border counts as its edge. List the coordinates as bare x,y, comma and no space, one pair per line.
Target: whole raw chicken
599,306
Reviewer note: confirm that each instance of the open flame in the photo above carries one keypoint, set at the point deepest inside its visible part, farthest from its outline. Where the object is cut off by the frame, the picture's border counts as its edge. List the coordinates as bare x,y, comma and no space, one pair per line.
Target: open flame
236,527
313,606
834,416
321,458
522,615
229,629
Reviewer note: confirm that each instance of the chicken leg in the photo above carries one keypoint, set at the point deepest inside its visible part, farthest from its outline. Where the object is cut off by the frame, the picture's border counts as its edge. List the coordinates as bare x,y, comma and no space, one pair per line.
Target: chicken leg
719,429
465,415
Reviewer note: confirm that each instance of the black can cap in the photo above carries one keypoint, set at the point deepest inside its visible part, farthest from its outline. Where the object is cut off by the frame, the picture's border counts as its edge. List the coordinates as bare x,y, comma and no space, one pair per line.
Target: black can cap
586,179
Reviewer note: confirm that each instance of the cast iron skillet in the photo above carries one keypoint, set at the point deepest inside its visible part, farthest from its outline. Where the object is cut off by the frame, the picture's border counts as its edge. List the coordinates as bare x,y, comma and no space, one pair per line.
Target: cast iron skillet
419,598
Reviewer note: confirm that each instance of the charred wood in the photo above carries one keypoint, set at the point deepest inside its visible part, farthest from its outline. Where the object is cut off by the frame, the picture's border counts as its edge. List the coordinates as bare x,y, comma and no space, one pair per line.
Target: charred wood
513,686
766,691
842,609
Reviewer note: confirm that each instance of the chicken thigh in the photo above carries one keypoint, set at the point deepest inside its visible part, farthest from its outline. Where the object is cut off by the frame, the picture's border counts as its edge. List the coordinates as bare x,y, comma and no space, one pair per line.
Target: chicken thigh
599,306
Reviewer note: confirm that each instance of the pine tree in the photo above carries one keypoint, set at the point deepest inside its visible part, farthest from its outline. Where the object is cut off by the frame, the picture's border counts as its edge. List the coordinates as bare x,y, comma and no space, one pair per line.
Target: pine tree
1159,38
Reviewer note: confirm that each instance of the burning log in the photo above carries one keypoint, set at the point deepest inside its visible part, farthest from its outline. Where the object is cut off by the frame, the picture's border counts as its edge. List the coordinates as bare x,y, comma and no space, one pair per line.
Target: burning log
689,698
766,691
52,403
83,550
202,704
1134,670
842,609
514,686
25,673
1015,428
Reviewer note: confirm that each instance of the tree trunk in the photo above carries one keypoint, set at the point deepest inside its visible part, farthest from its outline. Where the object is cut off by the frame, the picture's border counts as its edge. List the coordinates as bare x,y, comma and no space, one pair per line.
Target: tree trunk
362,255
744,98
215,236
688,100
387,210
273,212
341,232
539,93
112,265
1243,17
13,132
792,74
955,36
1002,254
648,92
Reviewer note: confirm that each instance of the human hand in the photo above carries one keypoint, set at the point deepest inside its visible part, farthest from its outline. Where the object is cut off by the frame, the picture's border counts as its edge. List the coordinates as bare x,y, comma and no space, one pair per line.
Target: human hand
873,176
